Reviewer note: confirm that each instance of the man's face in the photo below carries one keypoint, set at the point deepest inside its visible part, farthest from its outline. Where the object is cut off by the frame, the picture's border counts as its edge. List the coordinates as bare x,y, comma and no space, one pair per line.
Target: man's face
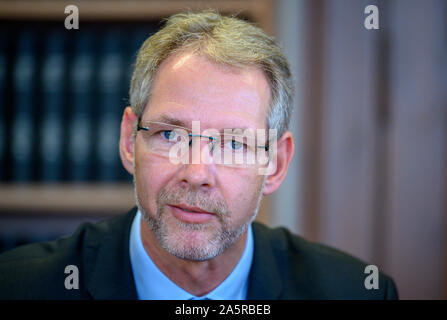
196,211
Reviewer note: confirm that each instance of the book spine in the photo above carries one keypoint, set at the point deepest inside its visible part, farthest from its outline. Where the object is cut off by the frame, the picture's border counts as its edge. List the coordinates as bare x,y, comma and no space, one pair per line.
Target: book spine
111,100
22,132
51,125
3,131
80,131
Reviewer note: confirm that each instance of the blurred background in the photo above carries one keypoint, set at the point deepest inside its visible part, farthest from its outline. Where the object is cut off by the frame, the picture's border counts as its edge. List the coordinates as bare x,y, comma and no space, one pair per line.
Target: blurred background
369,173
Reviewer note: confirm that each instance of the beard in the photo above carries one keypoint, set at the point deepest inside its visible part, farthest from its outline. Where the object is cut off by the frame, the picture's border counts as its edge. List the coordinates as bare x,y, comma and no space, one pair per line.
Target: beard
194,241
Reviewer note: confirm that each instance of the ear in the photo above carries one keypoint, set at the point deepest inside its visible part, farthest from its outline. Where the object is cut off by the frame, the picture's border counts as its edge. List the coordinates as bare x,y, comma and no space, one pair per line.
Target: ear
285,149
126,139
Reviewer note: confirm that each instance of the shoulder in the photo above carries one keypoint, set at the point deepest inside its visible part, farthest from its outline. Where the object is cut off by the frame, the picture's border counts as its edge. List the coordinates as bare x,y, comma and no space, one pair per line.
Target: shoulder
321,271
38,271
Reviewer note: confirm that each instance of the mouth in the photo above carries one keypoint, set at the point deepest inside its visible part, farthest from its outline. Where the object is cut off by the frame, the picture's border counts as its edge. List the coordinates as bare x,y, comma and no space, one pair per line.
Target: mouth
190,214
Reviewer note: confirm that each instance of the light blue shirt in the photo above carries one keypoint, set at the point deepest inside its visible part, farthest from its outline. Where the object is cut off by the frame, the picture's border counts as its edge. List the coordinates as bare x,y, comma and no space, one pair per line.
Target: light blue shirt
152,284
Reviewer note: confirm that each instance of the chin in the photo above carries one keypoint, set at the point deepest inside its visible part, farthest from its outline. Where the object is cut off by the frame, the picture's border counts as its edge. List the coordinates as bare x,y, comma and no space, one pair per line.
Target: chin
195,242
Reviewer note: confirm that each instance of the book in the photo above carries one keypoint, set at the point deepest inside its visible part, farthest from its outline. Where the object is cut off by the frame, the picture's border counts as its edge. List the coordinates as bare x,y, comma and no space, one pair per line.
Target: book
3,92
51,146
24,105
80,122
111,104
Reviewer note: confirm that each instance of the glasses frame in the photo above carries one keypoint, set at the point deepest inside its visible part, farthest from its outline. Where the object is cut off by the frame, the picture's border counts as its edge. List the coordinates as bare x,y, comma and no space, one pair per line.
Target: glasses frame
139,127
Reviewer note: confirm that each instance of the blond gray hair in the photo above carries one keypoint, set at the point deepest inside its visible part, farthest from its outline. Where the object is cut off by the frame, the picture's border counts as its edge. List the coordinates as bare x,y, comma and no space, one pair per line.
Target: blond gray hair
224,40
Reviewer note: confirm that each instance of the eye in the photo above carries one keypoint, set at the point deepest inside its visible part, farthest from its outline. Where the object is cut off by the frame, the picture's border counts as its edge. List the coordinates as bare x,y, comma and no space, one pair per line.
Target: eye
170,135
236,145
233,145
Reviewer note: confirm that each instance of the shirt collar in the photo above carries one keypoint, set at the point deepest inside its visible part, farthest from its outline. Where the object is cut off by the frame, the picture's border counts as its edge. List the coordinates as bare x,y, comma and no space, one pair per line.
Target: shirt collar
152,284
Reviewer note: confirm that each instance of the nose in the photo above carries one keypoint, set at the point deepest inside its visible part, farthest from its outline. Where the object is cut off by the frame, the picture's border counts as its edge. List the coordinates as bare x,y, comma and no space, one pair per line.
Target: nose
199,174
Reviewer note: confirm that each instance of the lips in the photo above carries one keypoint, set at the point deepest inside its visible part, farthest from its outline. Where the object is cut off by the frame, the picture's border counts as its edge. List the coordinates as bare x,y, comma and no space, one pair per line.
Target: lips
190,209
190,214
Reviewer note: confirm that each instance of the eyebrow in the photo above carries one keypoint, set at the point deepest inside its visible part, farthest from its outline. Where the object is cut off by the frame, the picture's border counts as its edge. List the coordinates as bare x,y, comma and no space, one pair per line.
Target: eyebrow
177,122
170,120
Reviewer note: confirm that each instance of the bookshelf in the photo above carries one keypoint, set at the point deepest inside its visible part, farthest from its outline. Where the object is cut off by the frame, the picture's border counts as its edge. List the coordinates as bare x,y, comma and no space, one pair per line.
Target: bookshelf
113,197
259,11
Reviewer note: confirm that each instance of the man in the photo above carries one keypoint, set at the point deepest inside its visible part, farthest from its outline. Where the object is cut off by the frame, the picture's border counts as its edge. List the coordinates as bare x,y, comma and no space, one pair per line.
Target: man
205,90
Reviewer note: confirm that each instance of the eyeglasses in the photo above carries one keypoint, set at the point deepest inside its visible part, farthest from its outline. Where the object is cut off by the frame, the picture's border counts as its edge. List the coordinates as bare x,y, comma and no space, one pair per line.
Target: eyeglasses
233,147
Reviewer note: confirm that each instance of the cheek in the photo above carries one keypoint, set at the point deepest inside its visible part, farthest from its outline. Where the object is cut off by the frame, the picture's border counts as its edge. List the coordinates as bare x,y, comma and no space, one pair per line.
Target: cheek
242,195
151,176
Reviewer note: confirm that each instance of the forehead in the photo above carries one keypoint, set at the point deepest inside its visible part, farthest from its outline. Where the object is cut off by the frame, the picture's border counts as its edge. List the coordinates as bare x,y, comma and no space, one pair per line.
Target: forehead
189,87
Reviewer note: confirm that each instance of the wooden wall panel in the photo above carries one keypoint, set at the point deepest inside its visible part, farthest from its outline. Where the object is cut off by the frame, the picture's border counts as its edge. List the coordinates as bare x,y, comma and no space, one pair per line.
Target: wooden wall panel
348,130
375,137
310,131
417,154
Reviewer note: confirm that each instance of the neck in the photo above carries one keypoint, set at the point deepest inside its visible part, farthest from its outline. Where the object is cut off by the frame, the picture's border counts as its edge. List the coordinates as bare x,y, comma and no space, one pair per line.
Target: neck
195,277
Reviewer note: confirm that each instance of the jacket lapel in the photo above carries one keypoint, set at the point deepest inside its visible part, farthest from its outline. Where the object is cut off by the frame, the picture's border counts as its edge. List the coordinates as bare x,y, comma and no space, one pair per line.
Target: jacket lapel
265,282
107,263
109,275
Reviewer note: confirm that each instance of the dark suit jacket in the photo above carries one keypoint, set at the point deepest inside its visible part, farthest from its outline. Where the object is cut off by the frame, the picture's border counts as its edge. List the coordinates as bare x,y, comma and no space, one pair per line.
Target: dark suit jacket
285,266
